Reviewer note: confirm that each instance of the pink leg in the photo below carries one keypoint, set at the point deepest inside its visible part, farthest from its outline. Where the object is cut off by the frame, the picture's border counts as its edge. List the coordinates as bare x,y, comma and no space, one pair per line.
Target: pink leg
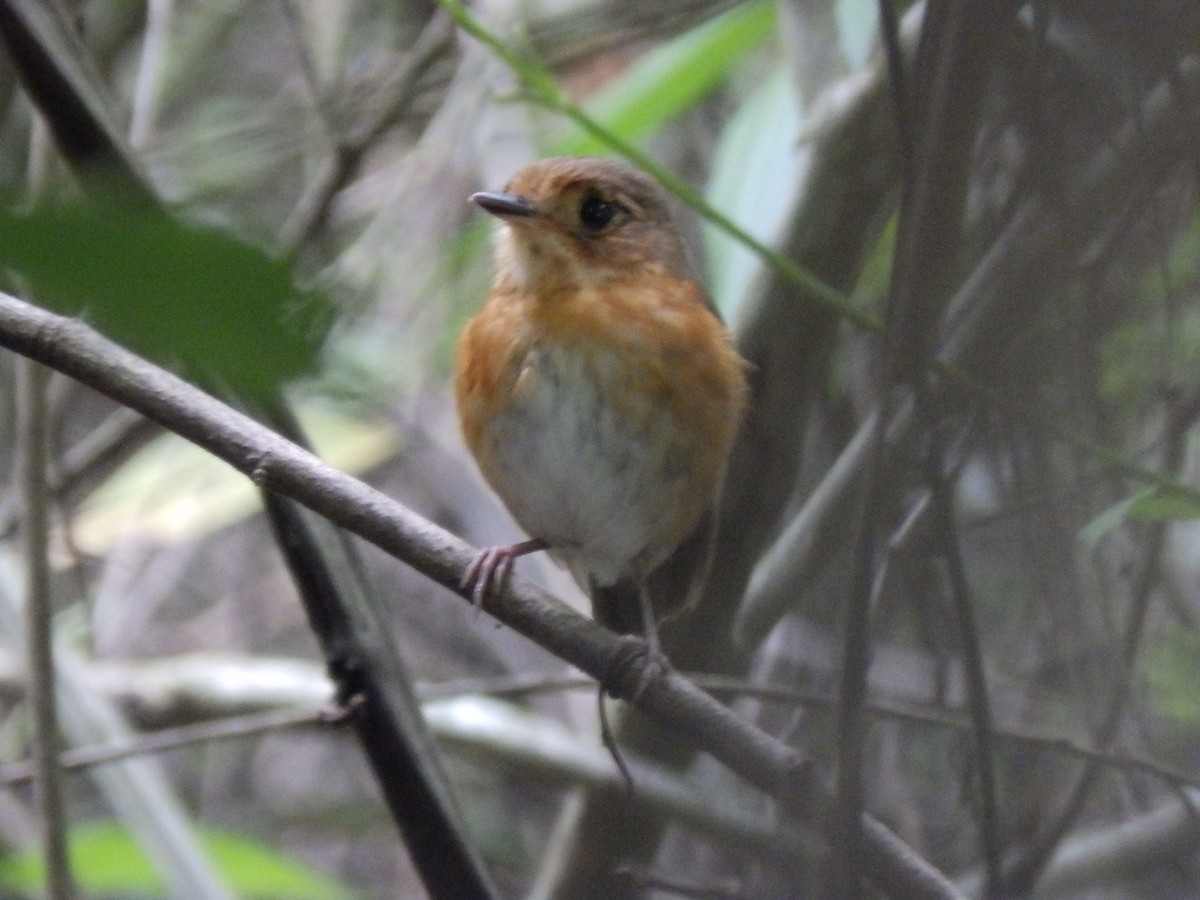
491,566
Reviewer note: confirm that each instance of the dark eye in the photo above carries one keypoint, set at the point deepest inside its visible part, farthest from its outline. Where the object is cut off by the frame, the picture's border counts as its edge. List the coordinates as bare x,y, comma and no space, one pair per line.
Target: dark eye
596,214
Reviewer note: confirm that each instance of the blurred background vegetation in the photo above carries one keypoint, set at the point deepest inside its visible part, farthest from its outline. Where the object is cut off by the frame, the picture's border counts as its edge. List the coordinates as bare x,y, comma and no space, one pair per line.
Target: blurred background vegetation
345,137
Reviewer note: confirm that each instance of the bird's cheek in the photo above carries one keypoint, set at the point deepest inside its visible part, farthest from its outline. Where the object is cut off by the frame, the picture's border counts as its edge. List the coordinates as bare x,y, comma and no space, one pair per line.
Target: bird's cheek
548,261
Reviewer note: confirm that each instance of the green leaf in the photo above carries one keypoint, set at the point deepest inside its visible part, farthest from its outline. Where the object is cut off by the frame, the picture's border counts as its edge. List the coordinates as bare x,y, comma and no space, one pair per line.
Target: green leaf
875,277
673,77
1111,518
1154,504
255,869
106,861
1165,505
183,296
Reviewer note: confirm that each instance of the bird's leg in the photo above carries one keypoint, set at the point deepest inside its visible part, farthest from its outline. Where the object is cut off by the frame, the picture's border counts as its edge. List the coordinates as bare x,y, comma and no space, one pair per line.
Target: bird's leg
657,663
654,665
649,623
645,649
491,565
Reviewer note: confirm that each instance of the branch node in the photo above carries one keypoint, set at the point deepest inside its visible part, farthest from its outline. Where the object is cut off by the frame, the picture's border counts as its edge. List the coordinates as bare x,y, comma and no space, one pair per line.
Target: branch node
260,469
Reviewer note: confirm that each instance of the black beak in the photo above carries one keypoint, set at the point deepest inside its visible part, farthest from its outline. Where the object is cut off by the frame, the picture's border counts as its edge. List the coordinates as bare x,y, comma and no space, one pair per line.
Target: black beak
506,206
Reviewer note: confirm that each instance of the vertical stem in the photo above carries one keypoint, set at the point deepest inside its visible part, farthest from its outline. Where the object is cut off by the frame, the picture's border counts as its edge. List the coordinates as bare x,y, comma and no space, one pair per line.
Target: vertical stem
32,379
147,85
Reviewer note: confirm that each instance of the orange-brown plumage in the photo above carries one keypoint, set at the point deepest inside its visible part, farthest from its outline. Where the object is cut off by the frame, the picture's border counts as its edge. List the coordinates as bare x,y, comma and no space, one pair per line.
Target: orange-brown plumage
597,388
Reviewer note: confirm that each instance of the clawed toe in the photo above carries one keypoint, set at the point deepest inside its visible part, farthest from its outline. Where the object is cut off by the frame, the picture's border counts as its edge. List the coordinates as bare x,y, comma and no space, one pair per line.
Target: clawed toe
486,573
488,569
646,655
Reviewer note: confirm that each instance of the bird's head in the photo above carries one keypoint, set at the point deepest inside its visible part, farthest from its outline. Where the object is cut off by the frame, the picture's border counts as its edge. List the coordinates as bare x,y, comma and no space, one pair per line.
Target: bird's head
577,222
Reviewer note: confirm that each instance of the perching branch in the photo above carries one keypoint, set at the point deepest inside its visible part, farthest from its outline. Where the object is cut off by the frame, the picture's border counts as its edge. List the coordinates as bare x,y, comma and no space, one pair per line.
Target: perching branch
278,465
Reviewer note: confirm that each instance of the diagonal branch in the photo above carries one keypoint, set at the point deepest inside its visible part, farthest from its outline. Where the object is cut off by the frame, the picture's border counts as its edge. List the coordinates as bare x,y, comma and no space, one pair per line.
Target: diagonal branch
278,465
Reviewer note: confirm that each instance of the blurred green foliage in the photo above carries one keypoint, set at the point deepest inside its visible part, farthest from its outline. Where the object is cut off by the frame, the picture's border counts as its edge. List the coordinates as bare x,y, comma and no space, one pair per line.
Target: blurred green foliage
186,296
672,78
108,862
1154,347
1173,671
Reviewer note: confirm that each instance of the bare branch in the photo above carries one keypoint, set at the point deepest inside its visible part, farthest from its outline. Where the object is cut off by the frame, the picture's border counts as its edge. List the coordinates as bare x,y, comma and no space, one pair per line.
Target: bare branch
278,465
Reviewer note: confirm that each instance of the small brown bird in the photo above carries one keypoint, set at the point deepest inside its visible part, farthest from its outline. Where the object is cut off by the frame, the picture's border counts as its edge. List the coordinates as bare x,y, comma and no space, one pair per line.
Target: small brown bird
597,388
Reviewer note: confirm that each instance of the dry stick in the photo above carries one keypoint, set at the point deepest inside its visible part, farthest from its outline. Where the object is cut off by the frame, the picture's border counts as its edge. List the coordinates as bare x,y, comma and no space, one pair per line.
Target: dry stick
958,46
1023,872
522,684
277,464
896,710
947,544
38,621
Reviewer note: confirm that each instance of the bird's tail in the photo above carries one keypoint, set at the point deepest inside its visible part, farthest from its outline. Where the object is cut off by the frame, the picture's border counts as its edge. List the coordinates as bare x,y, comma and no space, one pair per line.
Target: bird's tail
674,587
616,606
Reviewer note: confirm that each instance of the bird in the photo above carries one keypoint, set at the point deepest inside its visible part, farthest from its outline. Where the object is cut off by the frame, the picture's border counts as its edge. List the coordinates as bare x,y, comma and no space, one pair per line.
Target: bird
596,387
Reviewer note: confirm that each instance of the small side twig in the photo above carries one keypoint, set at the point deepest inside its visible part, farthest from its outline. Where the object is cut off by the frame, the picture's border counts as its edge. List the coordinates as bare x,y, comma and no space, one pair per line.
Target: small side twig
168,739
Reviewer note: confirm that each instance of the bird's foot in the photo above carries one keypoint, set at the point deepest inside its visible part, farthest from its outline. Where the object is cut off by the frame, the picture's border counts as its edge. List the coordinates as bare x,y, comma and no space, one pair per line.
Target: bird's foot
646,656
490,567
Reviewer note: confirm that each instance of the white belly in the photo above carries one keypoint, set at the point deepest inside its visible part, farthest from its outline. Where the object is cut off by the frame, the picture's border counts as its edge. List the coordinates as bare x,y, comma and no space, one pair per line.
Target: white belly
598,474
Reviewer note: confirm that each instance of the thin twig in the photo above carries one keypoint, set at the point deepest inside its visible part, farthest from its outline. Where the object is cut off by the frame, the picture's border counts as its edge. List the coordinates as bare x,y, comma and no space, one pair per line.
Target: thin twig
938,121
889,33
525,684
945,534
169,739
38,615
349,145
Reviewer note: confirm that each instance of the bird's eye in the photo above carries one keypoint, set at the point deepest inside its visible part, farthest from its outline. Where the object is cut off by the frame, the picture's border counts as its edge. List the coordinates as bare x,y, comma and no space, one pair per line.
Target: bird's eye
596,214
